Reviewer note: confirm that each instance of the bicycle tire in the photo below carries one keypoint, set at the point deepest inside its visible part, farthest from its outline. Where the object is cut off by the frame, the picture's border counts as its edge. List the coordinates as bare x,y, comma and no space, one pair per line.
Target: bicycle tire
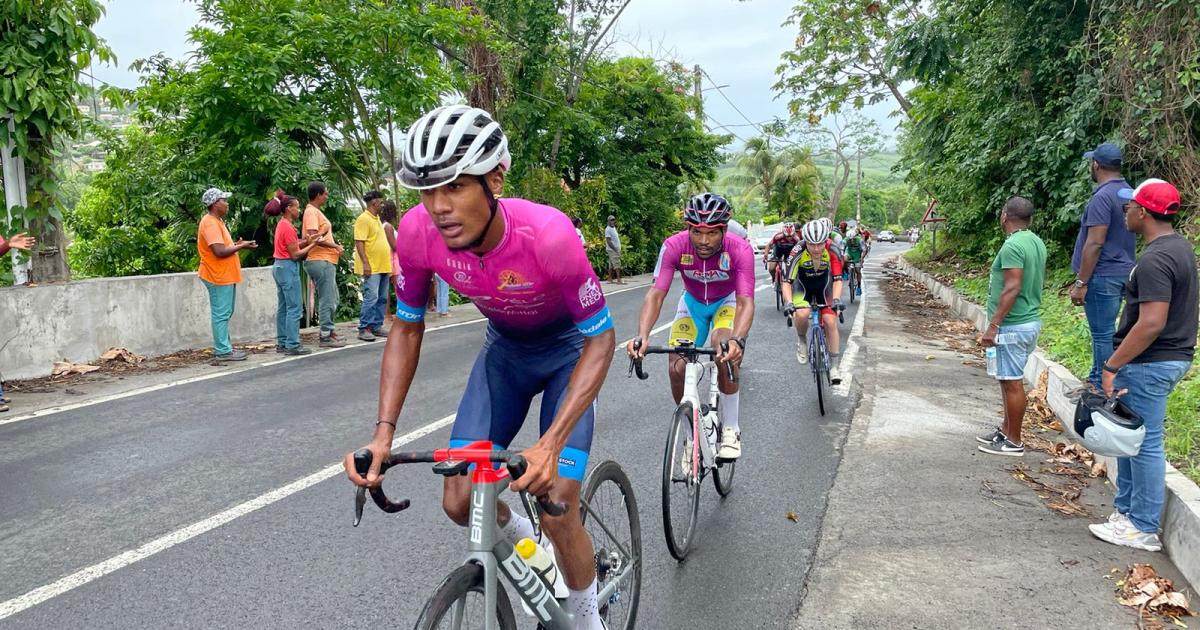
461,582
610,471
723,478
817,359
778,294
682,420
853,285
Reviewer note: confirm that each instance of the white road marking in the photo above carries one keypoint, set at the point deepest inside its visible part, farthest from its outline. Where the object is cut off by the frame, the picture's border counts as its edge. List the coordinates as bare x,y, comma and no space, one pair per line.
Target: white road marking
49,411
162,543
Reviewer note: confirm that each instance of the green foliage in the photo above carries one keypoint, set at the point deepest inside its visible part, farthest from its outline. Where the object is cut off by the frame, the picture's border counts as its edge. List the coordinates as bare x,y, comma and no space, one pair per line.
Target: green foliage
784,179
842,58
44,44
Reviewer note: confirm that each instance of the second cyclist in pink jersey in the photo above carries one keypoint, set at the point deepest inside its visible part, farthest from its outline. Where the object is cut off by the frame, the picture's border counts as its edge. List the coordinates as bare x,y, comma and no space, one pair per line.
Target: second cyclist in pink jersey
549,329
717,269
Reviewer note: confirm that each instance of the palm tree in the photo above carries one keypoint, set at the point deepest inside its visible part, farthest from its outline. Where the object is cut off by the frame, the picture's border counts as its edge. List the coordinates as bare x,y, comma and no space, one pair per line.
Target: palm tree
758,167
798,184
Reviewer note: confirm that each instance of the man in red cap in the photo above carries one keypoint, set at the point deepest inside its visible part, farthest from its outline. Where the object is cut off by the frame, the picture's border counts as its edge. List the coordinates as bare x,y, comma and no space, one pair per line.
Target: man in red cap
1155,343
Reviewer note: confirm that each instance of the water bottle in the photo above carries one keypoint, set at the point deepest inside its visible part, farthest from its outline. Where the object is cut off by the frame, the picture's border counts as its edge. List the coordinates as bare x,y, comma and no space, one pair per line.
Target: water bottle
542,563
990,353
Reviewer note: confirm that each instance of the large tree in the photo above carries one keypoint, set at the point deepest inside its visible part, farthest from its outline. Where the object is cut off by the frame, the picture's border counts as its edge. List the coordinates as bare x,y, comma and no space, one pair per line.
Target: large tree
44,45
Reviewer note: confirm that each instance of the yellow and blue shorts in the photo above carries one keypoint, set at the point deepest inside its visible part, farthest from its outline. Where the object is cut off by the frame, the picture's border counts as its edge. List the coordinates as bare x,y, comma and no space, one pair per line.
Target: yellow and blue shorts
695,319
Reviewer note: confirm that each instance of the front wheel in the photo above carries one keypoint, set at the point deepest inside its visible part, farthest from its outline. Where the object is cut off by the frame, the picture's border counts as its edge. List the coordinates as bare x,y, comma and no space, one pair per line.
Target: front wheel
458,604
616,534
816,358
680,484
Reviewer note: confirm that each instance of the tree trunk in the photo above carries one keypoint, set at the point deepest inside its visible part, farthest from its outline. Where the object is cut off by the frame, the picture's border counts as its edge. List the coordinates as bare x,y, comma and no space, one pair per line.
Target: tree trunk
49,259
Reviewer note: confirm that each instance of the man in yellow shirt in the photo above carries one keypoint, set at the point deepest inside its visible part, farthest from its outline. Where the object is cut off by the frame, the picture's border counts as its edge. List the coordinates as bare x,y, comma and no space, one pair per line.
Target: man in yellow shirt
220,270
372,261
321,264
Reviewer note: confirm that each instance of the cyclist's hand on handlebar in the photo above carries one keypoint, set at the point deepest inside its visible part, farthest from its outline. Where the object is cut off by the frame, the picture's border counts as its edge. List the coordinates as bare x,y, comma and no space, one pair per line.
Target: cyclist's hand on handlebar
379,452
838,305
789,310
542,470
636,348
732,352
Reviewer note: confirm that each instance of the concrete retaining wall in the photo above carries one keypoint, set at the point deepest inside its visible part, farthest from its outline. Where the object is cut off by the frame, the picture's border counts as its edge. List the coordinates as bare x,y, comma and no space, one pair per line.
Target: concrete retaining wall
1181,514
149,315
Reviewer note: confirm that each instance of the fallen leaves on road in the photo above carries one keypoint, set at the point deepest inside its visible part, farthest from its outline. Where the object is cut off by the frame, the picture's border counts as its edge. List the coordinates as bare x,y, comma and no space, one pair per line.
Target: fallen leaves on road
1154,596
791,516
1062,498
121,355
66,368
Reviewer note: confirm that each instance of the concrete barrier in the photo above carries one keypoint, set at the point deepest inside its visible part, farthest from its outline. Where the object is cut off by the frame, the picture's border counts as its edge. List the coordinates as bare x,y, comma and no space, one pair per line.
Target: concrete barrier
1181,514
149,315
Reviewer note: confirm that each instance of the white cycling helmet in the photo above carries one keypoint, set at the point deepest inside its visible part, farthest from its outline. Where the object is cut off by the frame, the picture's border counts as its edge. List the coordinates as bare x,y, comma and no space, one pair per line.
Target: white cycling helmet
1108,427
450,141
815,231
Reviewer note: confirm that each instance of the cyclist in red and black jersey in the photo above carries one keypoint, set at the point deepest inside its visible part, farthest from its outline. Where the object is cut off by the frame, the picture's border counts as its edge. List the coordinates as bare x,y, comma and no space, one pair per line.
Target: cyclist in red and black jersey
781,245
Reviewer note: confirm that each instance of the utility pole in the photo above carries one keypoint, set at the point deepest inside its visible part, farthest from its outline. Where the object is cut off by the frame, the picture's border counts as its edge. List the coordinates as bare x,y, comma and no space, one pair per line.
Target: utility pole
858,191
699,97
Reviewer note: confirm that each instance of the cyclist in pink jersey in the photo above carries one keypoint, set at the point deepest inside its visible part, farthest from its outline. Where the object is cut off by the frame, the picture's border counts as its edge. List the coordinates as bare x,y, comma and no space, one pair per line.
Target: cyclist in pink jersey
549,329
718,281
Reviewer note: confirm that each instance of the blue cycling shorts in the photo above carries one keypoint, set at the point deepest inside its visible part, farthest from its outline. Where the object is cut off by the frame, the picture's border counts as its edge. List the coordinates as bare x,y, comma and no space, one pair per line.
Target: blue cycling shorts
507,374
695,319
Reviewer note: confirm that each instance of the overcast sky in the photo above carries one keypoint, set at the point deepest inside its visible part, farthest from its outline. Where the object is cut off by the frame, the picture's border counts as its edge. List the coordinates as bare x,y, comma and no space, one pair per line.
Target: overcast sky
737,43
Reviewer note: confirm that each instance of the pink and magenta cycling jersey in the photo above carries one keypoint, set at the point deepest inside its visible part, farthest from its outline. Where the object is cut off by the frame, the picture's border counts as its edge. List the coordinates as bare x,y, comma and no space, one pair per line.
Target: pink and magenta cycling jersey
706,279
537,280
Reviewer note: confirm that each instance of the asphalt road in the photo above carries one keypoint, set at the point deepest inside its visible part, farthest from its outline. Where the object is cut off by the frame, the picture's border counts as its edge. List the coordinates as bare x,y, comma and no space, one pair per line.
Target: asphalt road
85,486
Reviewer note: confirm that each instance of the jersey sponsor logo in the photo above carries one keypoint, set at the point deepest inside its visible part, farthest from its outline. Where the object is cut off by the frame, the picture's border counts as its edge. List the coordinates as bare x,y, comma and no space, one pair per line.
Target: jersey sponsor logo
462,276
590,293
398,276
686,259
591,330
513,281
457,264
724,262
711,275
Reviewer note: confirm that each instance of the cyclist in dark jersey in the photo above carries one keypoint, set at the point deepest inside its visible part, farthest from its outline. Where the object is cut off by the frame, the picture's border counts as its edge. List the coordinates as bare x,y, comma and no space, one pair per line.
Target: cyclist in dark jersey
549,329
781,245
815,277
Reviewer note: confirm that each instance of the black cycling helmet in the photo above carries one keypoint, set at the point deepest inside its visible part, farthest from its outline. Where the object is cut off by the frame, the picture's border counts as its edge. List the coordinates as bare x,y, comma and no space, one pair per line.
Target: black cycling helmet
707,210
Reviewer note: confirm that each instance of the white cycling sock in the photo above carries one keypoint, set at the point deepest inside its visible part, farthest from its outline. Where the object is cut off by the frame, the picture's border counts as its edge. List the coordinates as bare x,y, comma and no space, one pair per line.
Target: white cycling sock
729,410
518,527
586,609
835,359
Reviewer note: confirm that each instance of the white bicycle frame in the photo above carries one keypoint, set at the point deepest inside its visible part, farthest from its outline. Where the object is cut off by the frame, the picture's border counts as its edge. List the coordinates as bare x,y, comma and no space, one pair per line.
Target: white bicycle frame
704,442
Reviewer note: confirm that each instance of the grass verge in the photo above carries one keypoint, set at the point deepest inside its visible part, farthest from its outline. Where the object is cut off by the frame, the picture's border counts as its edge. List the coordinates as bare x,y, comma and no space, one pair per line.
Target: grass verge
1066,339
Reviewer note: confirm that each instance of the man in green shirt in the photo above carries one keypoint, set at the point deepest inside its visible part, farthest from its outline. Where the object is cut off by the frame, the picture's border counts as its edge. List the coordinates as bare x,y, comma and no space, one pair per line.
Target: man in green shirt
1014,321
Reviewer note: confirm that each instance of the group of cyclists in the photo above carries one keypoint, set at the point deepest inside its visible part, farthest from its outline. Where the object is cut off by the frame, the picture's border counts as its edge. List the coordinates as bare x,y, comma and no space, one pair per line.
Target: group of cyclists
549,328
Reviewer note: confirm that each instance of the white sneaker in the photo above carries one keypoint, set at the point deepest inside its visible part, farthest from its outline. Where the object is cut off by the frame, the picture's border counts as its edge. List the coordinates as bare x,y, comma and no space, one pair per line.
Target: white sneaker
1123,533
1117,517
731,444
835,375
802,352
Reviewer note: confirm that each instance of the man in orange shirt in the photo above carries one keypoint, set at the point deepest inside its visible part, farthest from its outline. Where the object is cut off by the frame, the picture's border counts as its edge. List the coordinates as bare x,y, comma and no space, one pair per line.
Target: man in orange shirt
322,261
220,270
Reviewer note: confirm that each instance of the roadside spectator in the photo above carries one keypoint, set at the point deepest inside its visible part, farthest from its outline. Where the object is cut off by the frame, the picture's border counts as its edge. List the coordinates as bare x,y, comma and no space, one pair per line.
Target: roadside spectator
1014,301
220,270
1155,344
23,242
372,261
578,223
290,249
612,245
322,261
389,216
1103,257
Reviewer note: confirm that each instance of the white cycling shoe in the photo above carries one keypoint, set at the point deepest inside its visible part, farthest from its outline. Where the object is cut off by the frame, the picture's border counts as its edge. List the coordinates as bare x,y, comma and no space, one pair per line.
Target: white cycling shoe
802,352
731,444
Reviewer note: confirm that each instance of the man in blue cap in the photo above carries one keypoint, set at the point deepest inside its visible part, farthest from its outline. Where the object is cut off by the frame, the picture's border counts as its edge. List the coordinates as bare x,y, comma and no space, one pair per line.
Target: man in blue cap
1104,254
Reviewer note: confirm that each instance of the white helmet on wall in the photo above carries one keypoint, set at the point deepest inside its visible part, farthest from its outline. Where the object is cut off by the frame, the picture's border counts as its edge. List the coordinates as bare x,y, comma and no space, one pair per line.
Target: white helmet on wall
450,141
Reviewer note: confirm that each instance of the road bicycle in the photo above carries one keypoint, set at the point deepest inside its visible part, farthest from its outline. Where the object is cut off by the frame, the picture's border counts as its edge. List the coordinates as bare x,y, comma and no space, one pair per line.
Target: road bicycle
818,351
687,460
855,271
472,597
